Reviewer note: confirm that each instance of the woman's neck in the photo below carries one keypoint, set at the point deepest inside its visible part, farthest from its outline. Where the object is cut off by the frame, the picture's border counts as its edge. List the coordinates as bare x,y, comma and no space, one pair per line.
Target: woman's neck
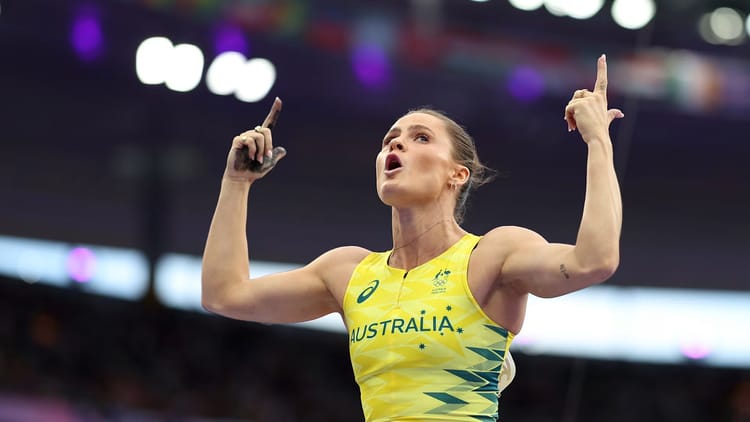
421,236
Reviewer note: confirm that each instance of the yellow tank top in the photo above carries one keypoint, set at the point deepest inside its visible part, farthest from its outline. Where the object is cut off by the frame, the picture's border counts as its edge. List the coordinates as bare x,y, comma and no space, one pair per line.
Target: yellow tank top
421,347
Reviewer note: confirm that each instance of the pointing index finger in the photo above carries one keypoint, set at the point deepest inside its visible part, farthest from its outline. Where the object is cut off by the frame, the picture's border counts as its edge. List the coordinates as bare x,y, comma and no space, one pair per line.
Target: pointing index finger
273,115
601,76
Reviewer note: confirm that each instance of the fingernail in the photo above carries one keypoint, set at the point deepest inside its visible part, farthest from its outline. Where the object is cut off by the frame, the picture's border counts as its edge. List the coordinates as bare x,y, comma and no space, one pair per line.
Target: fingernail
604,57
260,159
269,154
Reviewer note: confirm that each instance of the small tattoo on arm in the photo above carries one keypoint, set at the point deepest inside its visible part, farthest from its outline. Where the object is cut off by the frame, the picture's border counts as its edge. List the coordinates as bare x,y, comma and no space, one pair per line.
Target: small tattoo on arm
564,271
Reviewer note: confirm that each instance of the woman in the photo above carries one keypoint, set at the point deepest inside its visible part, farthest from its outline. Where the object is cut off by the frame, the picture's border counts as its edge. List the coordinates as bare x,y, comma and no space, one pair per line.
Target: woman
430,321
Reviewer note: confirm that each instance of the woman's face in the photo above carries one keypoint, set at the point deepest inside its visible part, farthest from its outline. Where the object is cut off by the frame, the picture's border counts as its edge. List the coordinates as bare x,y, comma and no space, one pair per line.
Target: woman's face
415,162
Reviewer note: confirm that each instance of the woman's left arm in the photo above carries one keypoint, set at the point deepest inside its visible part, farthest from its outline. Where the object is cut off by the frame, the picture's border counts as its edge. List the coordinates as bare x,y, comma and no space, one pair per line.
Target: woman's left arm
547,270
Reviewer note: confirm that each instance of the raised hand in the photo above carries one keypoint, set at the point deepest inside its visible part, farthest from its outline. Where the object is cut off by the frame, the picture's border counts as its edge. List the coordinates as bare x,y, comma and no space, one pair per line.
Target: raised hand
587,111
252,154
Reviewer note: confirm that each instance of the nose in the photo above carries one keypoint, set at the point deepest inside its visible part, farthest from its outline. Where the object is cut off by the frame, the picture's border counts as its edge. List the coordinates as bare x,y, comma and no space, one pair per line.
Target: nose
396,144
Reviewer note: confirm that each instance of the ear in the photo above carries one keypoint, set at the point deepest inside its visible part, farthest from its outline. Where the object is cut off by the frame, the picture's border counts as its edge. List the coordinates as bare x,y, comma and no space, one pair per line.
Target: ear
459,176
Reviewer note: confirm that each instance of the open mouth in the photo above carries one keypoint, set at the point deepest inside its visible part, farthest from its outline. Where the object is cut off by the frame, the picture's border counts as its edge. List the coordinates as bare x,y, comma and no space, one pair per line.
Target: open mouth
392,162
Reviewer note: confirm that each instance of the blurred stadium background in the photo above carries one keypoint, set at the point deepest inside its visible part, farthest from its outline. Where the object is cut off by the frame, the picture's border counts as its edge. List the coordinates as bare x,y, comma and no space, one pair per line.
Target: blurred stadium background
115,120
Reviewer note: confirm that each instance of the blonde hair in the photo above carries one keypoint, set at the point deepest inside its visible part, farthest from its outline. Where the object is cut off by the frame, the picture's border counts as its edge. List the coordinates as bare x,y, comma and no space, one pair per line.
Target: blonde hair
464,153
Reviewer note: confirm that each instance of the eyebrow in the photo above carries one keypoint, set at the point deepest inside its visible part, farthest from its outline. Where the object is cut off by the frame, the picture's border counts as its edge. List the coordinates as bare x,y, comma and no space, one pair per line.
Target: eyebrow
411,128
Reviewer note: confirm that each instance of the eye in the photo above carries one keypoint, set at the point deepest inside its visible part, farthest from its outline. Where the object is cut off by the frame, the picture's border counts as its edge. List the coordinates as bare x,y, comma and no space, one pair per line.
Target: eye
388,140
421,137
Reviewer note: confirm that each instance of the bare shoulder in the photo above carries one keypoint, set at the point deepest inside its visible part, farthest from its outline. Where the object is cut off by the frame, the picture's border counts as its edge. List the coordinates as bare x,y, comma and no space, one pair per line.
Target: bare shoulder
337,265
496,245
506,238
343,255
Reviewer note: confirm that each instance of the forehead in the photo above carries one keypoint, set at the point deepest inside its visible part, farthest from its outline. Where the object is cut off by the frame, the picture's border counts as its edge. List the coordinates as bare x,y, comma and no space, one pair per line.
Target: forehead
432,122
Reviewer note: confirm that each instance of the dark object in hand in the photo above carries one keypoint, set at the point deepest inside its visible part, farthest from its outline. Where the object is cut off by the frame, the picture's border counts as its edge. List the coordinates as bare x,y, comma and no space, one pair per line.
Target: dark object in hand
244,162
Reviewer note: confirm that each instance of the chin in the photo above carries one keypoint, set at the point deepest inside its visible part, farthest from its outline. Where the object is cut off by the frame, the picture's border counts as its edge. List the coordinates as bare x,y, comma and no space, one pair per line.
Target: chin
390,194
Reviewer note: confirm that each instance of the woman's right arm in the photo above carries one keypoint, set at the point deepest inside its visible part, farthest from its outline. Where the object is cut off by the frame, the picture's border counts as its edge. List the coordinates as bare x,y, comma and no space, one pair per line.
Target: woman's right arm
227,289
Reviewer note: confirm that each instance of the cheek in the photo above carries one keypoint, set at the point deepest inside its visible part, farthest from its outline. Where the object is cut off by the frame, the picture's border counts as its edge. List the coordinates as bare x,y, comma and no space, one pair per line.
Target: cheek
432,166
379,162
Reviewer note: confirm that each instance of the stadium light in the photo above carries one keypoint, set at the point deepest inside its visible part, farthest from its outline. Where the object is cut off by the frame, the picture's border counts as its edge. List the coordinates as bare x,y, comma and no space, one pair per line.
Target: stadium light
152,60
115,272
556,7
726,25
633,323
584,9
704,28
633,14
228,37
224,73
258,76
661,323
232,73
180,66
370,64
81,264
527,5
86,34
185,68
580,9
525,83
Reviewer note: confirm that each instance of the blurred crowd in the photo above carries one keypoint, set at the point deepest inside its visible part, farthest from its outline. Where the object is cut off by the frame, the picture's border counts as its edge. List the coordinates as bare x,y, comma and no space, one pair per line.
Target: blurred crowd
70,356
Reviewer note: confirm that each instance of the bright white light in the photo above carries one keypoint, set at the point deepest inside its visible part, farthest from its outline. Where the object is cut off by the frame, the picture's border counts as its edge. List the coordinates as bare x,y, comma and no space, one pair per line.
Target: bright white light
33,260
29,269
633,14
121,273
632,323
225,73
726,24
583,9
152,60
249,80
186,68
178,279
580,9
526,4
747,24
557,7
258,76
704,28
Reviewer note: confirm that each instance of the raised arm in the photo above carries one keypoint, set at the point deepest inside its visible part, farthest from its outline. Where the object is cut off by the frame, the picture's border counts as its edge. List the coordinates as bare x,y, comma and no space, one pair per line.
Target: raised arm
227,289
535,266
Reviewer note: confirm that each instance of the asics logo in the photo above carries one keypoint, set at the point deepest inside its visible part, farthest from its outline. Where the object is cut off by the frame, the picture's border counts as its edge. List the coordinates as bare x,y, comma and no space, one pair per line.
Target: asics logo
366,293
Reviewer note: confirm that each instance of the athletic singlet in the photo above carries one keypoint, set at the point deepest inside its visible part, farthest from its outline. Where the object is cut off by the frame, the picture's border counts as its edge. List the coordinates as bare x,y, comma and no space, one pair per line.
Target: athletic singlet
420,345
